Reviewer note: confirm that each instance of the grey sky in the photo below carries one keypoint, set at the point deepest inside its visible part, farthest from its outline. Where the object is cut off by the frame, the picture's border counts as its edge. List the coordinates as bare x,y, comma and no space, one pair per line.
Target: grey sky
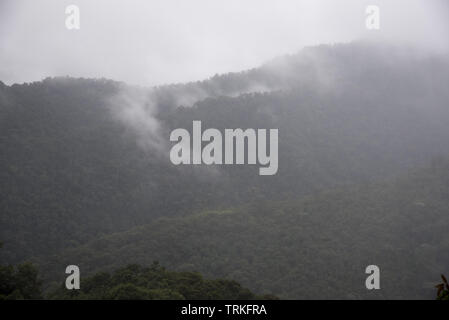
156,42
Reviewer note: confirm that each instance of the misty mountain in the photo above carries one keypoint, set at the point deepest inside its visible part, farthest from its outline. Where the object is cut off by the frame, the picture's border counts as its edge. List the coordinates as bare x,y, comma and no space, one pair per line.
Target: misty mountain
82,159
314,247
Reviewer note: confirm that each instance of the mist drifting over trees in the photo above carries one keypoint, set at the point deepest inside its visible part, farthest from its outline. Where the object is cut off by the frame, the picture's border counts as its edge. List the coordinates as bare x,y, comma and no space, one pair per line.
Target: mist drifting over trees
362,162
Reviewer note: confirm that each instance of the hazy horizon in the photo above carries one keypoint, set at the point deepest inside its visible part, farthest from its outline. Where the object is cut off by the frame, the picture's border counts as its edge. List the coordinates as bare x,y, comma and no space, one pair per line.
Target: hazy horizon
155,43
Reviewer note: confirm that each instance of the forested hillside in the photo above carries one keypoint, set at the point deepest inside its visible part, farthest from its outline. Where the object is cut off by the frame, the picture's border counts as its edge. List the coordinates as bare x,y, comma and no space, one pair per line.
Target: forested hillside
135,282
85,174
317,246
132,282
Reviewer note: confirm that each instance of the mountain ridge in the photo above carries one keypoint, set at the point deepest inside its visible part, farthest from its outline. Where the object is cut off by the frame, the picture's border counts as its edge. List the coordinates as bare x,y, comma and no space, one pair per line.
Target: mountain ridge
83,159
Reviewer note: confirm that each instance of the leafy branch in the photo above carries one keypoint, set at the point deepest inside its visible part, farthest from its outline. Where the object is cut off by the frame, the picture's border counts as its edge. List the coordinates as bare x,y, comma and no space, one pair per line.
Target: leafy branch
443,289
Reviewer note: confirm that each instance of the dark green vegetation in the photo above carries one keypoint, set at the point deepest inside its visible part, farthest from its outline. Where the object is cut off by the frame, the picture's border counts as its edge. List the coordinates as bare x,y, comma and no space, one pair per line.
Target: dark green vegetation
299,248
19,282
86,179
155,283
130,283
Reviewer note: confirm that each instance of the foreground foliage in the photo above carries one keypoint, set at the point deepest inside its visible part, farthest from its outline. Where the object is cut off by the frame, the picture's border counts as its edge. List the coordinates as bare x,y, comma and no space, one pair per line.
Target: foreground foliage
135,282
443,289
20,282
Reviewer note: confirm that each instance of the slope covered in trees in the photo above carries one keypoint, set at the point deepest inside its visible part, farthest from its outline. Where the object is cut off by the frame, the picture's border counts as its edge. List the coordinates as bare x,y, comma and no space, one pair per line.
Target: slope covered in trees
132,282
85,171
317,246
82,158
135,282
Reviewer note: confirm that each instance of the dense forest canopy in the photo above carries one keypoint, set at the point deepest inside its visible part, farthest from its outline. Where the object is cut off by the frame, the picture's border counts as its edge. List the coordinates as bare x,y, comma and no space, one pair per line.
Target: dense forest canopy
132,282
316,246
362,177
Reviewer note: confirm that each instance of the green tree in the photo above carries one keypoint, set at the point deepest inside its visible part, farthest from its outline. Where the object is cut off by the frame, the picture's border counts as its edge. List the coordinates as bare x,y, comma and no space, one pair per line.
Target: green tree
20,282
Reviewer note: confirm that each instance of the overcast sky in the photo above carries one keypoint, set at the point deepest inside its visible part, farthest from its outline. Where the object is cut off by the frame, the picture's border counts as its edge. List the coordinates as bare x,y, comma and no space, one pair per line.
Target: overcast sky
156,42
